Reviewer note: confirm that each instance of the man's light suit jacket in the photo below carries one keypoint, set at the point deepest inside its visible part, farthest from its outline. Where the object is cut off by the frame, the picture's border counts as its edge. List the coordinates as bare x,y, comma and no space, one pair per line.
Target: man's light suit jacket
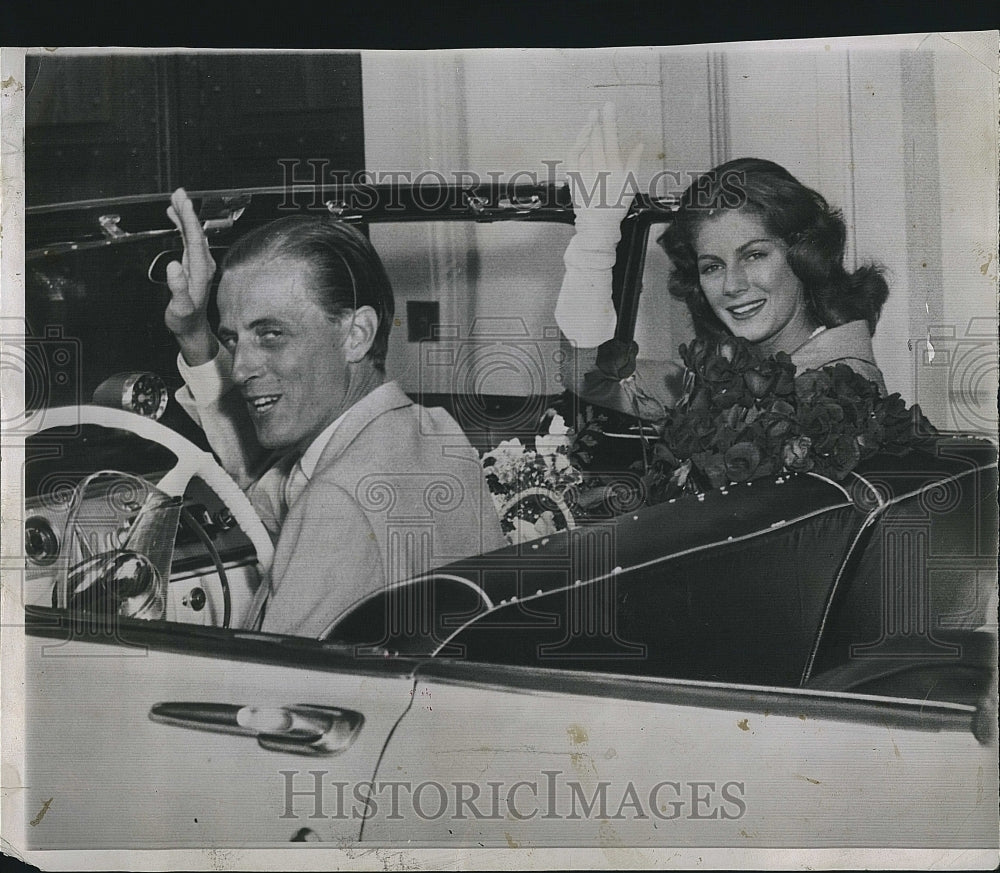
397,491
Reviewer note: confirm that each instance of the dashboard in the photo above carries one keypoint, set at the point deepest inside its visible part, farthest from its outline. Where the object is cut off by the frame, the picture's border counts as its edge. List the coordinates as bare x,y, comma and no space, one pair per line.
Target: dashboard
167,553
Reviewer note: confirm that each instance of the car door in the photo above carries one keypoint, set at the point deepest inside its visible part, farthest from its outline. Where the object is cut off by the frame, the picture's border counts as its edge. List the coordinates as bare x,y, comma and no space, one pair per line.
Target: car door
161,735
509,756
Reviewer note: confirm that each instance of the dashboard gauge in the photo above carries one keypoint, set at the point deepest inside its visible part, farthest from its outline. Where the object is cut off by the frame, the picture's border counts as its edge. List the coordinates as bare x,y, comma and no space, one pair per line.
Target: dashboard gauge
40,542
142,393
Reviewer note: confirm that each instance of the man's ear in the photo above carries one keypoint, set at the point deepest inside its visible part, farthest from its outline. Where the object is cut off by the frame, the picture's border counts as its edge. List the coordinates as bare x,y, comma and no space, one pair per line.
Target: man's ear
361,333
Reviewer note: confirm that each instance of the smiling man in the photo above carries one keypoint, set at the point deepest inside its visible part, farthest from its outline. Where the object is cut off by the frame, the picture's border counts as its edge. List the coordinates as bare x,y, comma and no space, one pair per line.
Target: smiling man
293,398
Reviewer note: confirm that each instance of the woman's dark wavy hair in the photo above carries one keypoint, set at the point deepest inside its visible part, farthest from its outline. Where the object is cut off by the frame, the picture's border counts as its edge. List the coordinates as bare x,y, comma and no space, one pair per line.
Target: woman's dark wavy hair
814,232
345,269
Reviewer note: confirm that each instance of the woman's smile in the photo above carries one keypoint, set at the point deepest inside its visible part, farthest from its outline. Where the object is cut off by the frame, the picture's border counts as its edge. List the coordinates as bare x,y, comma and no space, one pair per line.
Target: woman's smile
745,311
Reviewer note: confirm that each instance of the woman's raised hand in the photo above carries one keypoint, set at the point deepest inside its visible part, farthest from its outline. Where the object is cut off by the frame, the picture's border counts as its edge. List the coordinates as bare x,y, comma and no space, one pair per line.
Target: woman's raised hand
601,177
190,280
602,183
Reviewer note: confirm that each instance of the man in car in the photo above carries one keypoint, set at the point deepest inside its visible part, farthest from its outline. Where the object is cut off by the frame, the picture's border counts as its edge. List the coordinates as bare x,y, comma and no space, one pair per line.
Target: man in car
359,486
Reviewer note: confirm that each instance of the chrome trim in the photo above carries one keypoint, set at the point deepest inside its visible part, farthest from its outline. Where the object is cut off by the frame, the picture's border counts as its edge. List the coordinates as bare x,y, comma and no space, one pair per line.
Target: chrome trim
763,700
210,570
109,226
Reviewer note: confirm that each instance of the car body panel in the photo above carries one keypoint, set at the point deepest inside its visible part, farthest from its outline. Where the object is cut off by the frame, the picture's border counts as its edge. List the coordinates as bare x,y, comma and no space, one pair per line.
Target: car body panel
116,778
736,767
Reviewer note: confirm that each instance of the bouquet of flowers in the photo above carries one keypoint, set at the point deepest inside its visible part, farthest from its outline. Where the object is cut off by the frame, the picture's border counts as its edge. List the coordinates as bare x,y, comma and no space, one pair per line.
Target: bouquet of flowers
531,485
744,416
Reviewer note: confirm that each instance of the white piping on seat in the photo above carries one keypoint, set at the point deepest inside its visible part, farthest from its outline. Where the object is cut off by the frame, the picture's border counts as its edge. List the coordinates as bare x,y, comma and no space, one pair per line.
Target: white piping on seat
644,564
873,515
878,497
401,583
832,482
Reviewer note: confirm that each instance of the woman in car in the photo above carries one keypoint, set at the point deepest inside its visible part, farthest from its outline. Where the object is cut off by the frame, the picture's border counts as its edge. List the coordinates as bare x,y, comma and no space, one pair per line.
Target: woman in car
755,254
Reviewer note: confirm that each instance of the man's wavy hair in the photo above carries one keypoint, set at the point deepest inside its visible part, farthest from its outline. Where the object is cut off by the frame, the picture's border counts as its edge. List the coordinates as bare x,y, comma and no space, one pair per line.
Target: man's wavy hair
345,269
814,232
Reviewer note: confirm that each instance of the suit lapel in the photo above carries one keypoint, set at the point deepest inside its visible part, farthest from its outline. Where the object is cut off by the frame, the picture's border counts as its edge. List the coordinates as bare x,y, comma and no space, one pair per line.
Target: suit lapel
383,399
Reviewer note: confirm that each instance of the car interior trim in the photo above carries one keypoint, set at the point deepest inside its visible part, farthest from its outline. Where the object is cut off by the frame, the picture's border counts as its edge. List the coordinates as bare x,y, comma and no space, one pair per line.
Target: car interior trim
832,482
404,583
862,533
235,564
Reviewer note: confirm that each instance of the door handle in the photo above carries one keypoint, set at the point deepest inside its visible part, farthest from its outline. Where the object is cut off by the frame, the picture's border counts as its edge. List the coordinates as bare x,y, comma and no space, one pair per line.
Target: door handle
301,728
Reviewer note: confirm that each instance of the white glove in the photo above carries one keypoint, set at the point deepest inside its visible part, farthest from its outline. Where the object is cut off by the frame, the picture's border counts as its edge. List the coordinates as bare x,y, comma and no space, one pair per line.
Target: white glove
602,186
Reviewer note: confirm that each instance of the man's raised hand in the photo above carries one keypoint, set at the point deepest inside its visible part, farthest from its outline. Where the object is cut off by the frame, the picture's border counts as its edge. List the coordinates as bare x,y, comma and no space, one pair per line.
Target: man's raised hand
190,280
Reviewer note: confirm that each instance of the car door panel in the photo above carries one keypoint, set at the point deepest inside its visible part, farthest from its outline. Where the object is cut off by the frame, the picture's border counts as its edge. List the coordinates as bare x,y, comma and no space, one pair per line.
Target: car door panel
109,775
677,764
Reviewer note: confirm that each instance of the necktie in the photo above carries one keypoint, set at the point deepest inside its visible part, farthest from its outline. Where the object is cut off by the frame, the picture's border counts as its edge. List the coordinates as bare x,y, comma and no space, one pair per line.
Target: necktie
291,489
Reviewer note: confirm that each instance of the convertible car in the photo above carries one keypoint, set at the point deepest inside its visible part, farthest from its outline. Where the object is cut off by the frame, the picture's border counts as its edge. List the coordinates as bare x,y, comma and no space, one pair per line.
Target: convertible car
788,662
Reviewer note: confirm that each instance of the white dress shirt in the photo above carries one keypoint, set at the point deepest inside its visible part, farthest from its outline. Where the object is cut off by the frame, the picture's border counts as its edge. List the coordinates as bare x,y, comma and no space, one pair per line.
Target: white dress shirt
305,466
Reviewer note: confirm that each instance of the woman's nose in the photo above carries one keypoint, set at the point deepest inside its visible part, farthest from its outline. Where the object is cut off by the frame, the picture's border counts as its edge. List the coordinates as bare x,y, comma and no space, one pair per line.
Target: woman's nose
735,280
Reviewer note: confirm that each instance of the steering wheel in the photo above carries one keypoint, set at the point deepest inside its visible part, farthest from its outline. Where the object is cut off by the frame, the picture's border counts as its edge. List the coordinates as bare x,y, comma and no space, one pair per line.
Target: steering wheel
191,462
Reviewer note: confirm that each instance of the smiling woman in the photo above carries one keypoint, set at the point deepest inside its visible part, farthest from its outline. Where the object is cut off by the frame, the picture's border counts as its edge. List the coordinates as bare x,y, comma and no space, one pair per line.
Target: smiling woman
754,254
758,255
